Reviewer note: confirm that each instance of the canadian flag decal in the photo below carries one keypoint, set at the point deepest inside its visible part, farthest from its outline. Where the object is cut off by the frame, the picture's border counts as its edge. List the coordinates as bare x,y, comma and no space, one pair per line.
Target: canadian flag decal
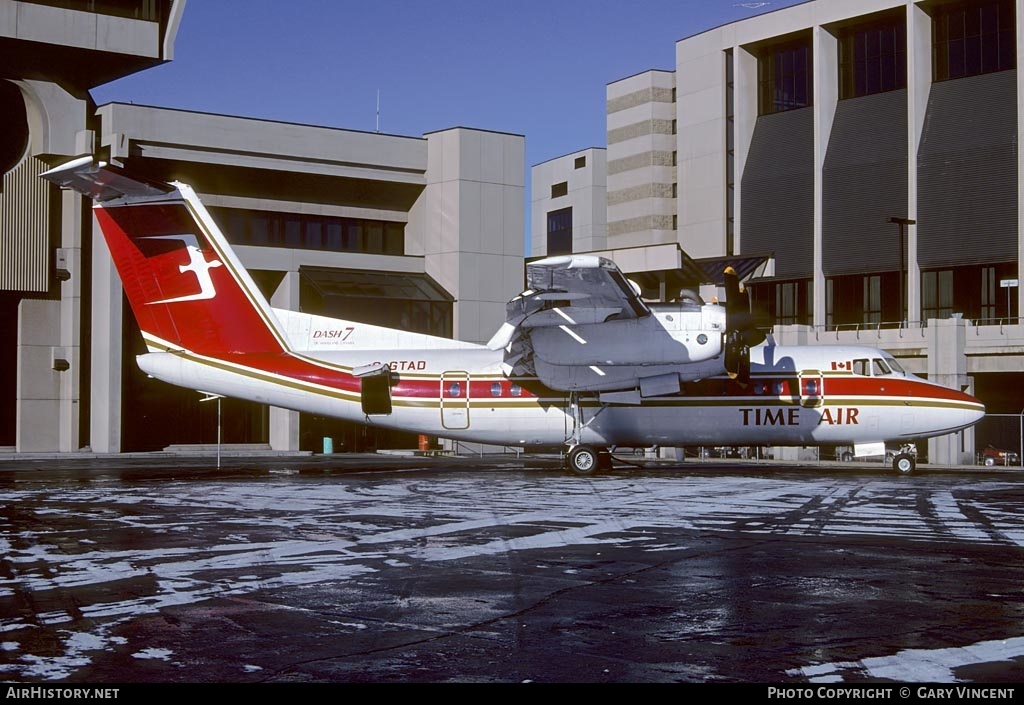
845,365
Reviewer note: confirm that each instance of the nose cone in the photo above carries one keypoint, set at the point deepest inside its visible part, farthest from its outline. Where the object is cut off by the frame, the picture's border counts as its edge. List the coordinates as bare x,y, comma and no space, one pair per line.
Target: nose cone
973,409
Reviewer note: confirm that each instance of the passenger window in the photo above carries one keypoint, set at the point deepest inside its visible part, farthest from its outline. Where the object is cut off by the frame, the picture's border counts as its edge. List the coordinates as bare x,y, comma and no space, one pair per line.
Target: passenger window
515,390
496,389
454,389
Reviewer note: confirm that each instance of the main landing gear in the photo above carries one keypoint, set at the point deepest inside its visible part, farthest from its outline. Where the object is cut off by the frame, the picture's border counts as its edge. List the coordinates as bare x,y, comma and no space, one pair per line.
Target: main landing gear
587,460
581,459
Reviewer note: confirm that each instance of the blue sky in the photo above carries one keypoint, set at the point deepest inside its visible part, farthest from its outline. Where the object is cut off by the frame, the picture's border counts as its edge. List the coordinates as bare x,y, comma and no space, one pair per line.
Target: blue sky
533,67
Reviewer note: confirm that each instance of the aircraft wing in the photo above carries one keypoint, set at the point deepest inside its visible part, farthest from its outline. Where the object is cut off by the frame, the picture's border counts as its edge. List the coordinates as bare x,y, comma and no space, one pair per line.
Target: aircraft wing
590,286
570,290
582,326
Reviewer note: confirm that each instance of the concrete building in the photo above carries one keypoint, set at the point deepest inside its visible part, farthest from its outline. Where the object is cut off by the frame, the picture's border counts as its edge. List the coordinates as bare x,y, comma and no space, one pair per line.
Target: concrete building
568,204
419,232
860,158
642,160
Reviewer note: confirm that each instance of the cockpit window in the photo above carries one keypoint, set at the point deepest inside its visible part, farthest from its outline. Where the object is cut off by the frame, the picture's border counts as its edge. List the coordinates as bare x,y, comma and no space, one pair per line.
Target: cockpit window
879,368
895,366
860,367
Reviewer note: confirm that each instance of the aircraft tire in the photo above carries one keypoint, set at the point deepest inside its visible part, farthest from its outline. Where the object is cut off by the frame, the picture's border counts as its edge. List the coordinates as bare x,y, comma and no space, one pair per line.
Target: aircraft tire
583,460
904,464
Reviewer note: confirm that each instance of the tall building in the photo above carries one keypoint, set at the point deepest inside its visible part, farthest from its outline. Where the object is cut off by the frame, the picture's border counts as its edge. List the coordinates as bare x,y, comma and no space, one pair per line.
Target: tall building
859,159
423,233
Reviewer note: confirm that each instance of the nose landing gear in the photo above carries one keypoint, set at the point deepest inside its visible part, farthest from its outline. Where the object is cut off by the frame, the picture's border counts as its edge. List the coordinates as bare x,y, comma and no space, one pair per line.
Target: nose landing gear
905,461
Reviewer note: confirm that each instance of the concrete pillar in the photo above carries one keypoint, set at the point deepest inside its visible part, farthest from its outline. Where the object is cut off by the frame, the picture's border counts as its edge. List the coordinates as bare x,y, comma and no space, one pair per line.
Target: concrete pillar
919,73
284,423
826,99
107,350
468,224
947,365
1020,159
69,272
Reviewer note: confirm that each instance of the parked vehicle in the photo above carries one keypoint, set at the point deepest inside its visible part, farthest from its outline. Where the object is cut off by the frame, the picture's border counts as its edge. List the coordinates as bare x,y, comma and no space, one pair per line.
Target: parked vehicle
997,456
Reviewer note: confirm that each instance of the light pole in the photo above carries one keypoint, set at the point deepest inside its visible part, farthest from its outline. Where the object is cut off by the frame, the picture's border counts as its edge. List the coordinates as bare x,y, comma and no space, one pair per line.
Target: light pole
902,222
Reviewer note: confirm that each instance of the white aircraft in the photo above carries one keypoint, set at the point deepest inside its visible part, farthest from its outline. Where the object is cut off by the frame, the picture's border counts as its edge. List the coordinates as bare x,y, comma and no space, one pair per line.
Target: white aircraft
581,360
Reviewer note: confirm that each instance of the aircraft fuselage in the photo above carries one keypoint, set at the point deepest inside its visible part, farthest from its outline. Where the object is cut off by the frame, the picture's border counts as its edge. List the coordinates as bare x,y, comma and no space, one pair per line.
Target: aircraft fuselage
796,396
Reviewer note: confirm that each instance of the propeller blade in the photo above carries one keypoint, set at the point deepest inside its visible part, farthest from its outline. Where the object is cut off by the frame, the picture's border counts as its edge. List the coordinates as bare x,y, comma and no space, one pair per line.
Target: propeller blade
740,331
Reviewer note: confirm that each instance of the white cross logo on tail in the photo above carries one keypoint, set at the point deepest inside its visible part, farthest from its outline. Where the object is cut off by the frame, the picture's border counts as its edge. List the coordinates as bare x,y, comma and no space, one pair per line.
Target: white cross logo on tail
197,265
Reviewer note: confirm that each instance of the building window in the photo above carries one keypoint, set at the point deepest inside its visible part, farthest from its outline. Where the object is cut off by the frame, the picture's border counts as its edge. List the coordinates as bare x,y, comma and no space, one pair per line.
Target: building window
793,303
559,190
873,60
560,232
974,38
310,232
936,294
872,305
784,80
988,293
580,162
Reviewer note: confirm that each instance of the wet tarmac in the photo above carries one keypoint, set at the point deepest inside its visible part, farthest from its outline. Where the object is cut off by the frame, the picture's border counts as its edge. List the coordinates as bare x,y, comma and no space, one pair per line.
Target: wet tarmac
503,570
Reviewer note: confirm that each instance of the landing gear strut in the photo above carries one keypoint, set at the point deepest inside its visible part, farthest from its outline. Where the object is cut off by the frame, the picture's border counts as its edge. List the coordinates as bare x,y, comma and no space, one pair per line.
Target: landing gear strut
582,459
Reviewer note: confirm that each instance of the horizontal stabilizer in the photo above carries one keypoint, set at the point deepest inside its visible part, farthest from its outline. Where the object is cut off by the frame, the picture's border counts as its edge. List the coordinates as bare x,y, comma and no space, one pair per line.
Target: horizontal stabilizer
374,370
101,181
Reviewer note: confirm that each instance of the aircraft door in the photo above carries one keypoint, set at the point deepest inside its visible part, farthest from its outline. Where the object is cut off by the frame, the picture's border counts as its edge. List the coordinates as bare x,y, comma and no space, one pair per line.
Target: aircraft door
812,389
454,400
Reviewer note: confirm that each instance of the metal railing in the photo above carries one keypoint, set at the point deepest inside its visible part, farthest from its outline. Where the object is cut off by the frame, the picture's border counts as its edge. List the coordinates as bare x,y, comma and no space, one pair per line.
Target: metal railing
875,328
903,328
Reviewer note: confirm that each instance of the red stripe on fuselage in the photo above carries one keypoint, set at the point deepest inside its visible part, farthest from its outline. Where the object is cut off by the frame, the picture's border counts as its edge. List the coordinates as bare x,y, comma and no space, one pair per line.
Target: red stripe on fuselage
306,370
860,386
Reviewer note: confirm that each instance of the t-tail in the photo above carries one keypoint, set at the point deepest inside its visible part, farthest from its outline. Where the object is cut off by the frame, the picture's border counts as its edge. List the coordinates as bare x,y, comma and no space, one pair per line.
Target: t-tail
183,281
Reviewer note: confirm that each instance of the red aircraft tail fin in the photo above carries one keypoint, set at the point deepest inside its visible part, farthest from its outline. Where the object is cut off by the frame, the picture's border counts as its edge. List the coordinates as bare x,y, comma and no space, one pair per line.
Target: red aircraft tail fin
184,283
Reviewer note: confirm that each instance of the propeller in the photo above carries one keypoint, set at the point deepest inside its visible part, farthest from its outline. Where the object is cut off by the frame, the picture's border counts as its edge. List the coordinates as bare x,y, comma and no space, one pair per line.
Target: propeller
740,332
